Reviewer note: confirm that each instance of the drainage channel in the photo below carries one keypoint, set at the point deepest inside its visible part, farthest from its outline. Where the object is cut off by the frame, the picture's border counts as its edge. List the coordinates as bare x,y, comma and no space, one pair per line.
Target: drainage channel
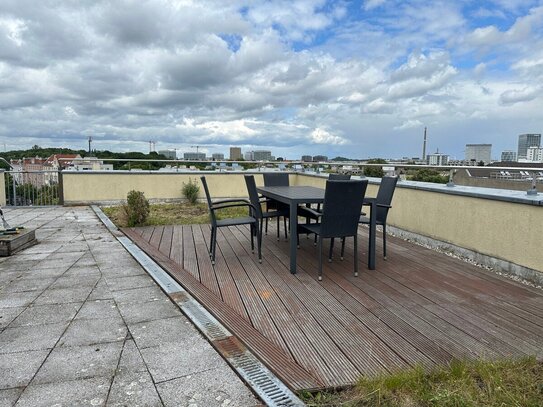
263,382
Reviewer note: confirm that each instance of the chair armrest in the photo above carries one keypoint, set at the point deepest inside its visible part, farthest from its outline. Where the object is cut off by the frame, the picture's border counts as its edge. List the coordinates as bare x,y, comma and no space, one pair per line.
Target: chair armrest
311,211
369,201
222,201
232,204
384,206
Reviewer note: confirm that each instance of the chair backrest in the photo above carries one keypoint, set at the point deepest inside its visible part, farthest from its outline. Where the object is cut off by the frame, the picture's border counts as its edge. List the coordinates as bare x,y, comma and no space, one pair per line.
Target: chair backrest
253,194
209,202
339,177
384,197
342,206
276,179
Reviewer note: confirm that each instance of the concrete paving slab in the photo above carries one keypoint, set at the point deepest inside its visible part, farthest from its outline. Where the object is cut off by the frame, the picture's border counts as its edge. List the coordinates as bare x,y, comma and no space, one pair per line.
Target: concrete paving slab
162,331
93,331
144,294
135,312
36,337
170,360
9,314
133,389
22,285
20,367
127,283
47,314
99,309
85,392
75,281
63,295
18,299
211,388
100,292
80,362
82,271
19,264
9,397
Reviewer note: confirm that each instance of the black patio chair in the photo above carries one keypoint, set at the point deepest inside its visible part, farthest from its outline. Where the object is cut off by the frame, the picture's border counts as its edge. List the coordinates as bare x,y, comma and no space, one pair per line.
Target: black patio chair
256,204
382,202
243,220
276,179
340,215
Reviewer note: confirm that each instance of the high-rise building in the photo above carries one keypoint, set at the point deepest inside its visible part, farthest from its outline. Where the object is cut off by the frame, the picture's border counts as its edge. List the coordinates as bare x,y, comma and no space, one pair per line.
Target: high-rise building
169,154
307,158
526,141
235,153
509,155
249,156
479,152
262,155
534,154
217,156
437,159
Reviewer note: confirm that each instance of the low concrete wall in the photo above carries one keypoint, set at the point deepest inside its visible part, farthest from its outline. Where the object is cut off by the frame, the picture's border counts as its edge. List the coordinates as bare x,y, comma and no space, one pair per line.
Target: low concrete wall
2,188
505,225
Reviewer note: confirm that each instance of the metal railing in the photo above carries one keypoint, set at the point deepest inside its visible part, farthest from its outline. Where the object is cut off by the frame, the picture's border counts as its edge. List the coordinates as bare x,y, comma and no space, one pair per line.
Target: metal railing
33,188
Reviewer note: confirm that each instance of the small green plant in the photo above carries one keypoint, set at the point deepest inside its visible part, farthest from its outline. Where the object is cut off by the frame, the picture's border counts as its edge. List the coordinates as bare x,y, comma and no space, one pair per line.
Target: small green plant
136,208
190,191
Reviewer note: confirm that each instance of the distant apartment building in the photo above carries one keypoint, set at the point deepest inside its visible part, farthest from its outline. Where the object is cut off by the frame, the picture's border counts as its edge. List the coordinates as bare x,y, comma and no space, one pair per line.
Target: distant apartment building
262,155
509,155
90,164
437,159
479,152
235,153
217,156
194,156
534,154
249,156
526,141
319,158
307,158
169,154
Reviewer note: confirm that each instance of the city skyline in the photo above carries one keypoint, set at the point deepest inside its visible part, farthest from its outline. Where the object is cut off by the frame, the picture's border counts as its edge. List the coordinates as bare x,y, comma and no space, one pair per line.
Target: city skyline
356,79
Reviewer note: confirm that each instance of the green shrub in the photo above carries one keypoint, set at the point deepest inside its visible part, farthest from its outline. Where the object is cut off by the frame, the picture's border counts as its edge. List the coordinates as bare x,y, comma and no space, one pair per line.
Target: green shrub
375,171
136,208
190,191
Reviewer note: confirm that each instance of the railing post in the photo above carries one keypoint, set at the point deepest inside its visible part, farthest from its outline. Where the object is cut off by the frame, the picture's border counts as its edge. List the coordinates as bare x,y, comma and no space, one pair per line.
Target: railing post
533,189
451,176
60,187
14,191
2,187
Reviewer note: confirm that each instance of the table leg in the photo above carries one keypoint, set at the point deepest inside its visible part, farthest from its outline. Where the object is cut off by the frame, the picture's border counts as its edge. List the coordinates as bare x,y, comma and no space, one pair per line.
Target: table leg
373,221
293,235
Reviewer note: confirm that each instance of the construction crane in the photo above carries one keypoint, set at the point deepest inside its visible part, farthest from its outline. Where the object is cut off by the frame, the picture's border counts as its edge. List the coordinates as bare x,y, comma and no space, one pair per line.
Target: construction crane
196,147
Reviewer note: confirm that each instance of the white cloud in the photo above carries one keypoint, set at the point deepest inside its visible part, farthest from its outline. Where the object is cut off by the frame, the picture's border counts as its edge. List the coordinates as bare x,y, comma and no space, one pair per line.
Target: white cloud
321,136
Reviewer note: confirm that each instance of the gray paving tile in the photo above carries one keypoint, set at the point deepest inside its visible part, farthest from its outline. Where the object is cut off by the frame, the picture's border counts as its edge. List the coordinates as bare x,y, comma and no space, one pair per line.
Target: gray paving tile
11,300
131,360
126,283
98,309
25,338
139,295
9,314
82,271
18,264
133,389
100,292
7,277
212,388
47,314
112,270
75,281
39,272
34,284
93,331
9,397
79,362
63,295
134,312
84,392
20,367
161,331
172,360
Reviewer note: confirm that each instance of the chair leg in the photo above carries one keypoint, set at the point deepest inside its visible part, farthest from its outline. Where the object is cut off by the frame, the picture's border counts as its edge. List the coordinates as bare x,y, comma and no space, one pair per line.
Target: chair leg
320,259
259,243
278,221
342,248
356,255
266,225
331,250
213,247
211,241
252,238
285,225
384,241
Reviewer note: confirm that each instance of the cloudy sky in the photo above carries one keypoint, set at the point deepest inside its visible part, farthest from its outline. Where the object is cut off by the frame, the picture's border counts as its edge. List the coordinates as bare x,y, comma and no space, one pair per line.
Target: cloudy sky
352,78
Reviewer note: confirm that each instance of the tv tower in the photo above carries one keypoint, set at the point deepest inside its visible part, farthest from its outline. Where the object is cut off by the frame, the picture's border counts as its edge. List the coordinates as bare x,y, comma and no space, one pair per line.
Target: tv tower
424,146
152,146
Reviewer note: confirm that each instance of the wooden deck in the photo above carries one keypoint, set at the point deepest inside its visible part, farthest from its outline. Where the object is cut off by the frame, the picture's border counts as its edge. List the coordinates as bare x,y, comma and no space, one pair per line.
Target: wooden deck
419,307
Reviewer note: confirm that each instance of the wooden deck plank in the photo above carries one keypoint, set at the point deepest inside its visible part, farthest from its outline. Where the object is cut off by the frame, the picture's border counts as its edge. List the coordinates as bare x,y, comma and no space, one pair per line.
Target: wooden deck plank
190,261
207,274
166,240
176,251
156,237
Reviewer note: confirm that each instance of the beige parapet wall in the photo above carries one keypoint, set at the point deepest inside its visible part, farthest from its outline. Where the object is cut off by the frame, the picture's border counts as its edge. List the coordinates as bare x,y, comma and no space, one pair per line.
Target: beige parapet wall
2,188
505,230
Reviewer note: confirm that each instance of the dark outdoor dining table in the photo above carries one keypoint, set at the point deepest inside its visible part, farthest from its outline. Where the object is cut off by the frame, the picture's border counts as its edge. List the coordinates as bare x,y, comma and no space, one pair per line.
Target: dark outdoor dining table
298,195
